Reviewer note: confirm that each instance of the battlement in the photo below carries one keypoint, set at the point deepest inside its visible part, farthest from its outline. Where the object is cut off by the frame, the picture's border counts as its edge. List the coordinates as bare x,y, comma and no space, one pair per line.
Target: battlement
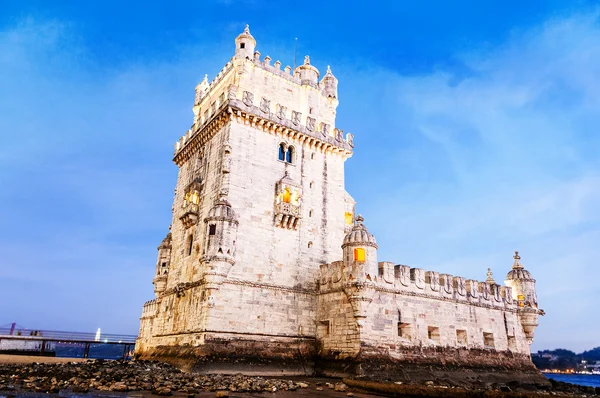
150,308
402,279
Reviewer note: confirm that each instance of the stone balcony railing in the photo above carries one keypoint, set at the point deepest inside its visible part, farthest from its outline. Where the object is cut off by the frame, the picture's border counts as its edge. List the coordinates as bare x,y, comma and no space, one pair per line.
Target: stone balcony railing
190,215
287,215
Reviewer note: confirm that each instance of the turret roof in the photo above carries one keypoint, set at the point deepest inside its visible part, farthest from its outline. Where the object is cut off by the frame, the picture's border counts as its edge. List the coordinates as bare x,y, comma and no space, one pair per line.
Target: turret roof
359,235
518,270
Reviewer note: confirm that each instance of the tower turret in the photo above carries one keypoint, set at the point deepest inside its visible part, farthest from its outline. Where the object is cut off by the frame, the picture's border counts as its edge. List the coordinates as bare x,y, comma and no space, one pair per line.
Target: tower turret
523,291
360,252
361,268
329,85
221,230
162,265
308,74
244,45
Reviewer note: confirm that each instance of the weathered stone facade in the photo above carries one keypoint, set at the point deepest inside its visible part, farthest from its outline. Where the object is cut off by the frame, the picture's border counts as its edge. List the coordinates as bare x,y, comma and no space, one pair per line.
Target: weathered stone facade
266,269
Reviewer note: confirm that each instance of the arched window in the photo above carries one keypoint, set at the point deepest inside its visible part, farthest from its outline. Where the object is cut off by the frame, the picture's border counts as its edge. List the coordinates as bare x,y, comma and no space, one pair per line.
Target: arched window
289,155
310,245
287,196
281,152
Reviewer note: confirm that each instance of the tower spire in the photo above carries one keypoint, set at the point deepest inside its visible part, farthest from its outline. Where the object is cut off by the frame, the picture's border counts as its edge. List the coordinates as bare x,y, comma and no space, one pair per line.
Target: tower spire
517,263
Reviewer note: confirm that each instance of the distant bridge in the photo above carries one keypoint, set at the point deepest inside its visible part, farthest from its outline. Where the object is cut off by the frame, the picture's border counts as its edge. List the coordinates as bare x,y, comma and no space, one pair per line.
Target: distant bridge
15,339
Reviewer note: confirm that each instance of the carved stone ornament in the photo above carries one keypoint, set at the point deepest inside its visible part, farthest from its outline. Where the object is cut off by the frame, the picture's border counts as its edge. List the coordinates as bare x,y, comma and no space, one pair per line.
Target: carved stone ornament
447,283
248,98
265,104
296,117
281,110
231,92
339,135
350,139
403,274
325,129
460,285
419,277
472,288
434,280
310,124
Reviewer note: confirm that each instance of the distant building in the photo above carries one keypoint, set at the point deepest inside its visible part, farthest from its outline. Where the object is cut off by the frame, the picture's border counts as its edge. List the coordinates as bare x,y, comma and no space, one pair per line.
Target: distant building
267,268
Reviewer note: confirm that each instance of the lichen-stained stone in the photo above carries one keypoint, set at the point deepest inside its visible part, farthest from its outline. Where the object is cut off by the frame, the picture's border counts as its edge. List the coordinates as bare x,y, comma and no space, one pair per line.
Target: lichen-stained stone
266,269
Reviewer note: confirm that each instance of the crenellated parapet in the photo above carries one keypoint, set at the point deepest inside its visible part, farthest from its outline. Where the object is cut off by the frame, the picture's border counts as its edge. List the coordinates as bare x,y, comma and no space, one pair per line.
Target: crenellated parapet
404,280
150,309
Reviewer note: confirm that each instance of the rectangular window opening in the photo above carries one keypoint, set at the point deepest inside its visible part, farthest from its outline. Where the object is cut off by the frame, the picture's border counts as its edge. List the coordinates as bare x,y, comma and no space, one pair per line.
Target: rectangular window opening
359,255
461,337
488,340
212,229
405,330
324,328
433,333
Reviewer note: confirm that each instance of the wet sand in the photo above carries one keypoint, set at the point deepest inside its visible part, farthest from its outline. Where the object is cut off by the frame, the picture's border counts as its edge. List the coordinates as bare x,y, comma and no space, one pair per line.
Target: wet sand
18,359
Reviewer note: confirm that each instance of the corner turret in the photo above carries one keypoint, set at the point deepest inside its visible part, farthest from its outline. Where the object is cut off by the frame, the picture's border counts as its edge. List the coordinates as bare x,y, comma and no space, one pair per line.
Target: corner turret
244,45
329,85
361,268
360,252
523,290
162,265
221,230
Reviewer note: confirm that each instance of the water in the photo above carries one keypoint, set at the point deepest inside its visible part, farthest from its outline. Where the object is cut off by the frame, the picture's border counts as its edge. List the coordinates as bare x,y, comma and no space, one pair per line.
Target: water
582,380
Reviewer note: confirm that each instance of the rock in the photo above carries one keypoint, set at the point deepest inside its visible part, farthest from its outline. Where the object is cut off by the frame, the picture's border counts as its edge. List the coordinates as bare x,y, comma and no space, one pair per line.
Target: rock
505,389
302,385
222,393
340,387
319,388
329,385
398,382
162,391
429,383
349,394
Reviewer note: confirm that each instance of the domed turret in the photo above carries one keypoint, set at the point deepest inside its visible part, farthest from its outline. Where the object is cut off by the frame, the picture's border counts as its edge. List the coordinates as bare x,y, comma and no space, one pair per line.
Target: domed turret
245,44
329,88
308,74
360,252
221,231
523,291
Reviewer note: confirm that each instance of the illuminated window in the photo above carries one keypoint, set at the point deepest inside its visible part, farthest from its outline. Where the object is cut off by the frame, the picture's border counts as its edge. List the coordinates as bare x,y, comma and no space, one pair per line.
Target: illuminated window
359,255
287,196
433,333
488,340
520,297
349,218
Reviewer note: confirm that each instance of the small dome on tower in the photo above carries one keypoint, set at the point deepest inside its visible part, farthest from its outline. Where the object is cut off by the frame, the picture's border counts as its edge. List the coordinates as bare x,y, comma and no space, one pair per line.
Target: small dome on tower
518,271
222,210
359,235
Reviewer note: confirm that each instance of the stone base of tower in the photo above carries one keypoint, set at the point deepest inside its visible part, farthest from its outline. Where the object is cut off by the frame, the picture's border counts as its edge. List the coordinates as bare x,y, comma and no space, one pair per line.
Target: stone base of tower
458,367
226,353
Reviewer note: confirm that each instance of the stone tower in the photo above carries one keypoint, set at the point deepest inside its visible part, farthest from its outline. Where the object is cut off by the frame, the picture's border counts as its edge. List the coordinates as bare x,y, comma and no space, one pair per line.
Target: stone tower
259,205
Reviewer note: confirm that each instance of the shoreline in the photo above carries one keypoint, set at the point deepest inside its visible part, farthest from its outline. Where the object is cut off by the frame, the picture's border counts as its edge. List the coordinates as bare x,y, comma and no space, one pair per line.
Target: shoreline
97,377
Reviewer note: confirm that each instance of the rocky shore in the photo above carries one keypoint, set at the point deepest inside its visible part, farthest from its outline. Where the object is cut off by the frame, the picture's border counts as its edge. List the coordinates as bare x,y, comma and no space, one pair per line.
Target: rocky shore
163,379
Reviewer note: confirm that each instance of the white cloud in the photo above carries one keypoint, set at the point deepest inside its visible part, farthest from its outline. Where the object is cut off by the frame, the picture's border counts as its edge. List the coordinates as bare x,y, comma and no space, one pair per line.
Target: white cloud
502,159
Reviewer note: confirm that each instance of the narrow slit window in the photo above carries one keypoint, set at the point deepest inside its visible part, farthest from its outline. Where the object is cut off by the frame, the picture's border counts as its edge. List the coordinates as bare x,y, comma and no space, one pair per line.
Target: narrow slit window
190,244
212,229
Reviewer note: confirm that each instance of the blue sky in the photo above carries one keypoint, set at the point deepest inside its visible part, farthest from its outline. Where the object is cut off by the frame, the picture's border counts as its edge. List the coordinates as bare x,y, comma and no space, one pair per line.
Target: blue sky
475,124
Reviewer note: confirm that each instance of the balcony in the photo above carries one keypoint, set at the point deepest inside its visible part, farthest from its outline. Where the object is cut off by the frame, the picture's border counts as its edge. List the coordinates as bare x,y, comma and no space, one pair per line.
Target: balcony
287,215
190,215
